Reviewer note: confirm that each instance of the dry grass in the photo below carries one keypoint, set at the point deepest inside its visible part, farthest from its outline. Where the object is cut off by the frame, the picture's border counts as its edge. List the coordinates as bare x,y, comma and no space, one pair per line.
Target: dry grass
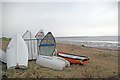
103,64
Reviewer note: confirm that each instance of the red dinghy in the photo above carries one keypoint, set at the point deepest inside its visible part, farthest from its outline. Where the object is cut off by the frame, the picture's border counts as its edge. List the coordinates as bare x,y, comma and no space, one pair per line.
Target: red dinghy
73,58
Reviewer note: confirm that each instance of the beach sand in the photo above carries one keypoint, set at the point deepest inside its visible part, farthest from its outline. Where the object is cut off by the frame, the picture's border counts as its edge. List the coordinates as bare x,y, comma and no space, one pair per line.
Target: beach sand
103,64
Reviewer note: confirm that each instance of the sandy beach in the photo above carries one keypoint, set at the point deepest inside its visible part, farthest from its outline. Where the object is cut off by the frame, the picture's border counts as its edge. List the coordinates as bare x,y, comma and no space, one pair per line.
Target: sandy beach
103,64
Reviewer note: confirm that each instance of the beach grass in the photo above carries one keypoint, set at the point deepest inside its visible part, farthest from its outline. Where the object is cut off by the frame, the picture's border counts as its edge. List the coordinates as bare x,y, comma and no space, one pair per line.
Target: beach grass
103,64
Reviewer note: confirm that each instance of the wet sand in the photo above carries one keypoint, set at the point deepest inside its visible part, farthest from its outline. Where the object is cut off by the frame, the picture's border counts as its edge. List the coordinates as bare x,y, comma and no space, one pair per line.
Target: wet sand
103,64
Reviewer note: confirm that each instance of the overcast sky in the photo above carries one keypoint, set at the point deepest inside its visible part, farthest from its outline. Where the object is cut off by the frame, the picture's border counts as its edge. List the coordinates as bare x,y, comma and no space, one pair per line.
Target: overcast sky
61,18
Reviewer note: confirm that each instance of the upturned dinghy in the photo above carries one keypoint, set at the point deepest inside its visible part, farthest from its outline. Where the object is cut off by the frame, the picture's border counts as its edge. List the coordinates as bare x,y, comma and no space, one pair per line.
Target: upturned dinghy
47,45
31,43
40,34
46,58
75,59
17,53
52,62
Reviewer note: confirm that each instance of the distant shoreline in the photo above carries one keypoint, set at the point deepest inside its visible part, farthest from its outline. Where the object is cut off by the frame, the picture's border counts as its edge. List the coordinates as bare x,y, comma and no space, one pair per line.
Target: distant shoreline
83,36
90,47
101,42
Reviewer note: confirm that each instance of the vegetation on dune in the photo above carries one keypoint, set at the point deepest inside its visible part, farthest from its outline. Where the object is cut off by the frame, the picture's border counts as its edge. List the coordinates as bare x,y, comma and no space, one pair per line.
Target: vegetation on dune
5,42
6,39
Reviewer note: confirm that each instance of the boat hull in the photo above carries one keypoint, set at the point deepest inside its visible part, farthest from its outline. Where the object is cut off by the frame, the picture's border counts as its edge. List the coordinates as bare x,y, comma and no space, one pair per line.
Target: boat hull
31,43
74,59
52,62
17,53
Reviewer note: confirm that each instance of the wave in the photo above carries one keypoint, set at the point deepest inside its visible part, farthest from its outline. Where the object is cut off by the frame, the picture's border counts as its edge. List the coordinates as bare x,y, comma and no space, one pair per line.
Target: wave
91,43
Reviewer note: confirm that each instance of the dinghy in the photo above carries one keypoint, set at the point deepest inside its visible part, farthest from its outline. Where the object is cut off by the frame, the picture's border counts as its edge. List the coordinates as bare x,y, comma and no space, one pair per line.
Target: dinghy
40,34
31,42
47,45
52,62
75,59
3,56
17,53
46,58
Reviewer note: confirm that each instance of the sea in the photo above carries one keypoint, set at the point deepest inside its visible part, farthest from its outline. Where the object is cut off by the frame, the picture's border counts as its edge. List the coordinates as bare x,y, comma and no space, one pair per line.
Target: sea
103,42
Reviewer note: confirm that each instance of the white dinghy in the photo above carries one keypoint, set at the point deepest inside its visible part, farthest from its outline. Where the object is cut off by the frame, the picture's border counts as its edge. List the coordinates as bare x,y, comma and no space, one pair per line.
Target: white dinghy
3,56
52,62
40,34
31,42
17,53
46,58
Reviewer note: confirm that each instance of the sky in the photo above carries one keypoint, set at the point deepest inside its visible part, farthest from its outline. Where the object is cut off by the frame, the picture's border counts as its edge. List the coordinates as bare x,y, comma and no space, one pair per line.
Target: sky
61,18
